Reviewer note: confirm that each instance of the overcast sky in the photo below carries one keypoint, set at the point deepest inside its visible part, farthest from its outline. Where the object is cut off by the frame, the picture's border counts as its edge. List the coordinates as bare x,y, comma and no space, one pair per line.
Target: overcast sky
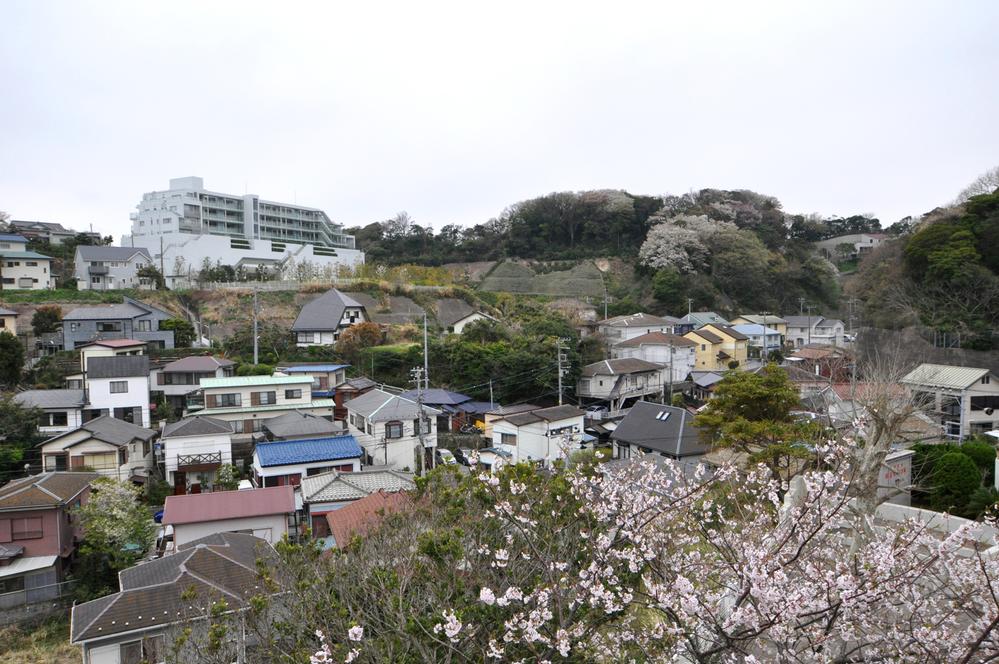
453,112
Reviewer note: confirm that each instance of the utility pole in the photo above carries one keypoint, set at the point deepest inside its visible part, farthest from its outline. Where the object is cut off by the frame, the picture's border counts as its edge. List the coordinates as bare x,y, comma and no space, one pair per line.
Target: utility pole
562,358
491,402
801,306
690,305
670,373
426,361
810,307
256,337
417,374
162,268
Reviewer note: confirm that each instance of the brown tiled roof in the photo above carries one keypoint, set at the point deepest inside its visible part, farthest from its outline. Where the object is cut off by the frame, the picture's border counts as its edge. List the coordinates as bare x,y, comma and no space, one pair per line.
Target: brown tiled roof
707,335
46,490
364,514
152,593
817,352
735,334
656,339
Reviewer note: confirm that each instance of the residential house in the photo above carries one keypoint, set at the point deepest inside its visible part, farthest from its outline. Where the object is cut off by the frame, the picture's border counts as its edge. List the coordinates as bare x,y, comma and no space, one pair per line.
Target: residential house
158,598
540,436
622,328
192,451
321,321
456,409
454,315
38,534
388,427
109,446
61,410
177,380
117,386
698,319
719,347
8,320
675,353
652,428
702,383
325,376
21,269
805,330
109,268
861,243
616,381
109,348
963,400
362,515
500,412
249,401
348,390
263,513
298,426
767,320
50,232
129,320
330,491
289,461
762,340
830,362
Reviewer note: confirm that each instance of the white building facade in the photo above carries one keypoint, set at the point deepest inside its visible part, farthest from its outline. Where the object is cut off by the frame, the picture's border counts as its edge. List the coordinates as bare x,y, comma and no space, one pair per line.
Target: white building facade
21,269
193,225
541,436
108,268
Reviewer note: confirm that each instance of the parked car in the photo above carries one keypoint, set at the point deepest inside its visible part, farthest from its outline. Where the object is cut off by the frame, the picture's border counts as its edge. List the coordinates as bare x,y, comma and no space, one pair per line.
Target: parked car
596,412
445,457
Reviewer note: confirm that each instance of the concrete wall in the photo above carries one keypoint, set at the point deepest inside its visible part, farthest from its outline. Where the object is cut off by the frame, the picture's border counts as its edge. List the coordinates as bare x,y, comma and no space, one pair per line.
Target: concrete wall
269,527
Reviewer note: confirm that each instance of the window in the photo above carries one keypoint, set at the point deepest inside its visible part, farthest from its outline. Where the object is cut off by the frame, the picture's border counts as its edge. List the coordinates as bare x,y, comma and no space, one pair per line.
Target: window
31,263
119,386
13,264
985,379
228,400
393,429
704,347
150,649
3,323
12,585
54,420
24,529
73,327
143,326
306,337
293,394
263,398
508,438
417,429
109,326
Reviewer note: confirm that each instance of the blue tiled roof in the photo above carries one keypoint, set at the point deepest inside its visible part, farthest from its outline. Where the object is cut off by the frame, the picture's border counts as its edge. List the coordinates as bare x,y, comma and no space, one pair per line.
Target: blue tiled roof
7,237
306,368
310,450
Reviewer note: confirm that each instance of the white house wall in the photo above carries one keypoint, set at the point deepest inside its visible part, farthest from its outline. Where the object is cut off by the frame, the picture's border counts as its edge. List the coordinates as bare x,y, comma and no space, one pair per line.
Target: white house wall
269,527
175,446
100,396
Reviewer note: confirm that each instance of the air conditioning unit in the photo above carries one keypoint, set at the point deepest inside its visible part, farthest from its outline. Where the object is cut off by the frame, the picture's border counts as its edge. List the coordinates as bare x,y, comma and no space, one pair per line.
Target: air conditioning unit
989,411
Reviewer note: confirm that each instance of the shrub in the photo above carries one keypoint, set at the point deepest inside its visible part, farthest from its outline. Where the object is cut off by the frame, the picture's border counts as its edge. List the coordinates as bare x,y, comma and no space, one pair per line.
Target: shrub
955,478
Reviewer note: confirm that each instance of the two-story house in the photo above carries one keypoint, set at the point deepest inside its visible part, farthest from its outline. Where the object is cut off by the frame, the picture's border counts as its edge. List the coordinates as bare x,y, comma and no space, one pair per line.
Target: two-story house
264,513
38,534
61,410
248,401
50,231
697,319
673,352
117,386
108,268
321,321
192,451
652,428
962,400
805,330
762,340
617,381
159,598
129,320
719,347
21,269
111,447
389,429
176,380
276,463
539,436
767,320
325,377
294,425
623,328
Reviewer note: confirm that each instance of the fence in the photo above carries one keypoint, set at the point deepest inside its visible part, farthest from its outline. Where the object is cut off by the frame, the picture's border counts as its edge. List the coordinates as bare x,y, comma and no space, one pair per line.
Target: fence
32,602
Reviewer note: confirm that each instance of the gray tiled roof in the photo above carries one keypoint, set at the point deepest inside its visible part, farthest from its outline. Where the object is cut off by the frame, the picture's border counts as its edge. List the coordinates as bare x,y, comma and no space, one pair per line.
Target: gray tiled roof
296,424
197,426
109,312
675,435
51,398
91,253
450,310
111,430
380,406
197,364
154,593
7,312
335,486
325,312
638,320
624,365
119,366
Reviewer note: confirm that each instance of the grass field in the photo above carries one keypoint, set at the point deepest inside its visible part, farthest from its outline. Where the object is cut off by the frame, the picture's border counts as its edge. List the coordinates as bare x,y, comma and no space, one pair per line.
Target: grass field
44,643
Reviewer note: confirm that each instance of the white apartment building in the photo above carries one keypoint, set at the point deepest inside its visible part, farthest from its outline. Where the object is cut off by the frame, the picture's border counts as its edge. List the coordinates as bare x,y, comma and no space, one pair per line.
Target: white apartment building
192,224
21,269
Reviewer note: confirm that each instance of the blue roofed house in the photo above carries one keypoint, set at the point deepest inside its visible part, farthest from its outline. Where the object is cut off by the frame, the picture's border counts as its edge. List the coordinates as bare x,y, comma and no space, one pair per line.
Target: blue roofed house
21,269
455,409
762,340
287,462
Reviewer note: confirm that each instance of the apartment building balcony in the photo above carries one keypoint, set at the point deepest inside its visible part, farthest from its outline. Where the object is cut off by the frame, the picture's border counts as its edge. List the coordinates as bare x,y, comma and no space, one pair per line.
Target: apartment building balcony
97,270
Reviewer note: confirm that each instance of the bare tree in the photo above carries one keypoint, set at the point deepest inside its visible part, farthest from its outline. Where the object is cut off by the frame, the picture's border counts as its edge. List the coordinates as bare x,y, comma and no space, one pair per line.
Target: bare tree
986,183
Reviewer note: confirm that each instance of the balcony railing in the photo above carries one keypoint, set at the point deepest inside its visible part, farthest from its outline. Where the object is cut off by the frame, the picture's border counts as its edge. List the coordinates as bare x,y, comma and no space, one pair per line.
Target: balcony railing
203,461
